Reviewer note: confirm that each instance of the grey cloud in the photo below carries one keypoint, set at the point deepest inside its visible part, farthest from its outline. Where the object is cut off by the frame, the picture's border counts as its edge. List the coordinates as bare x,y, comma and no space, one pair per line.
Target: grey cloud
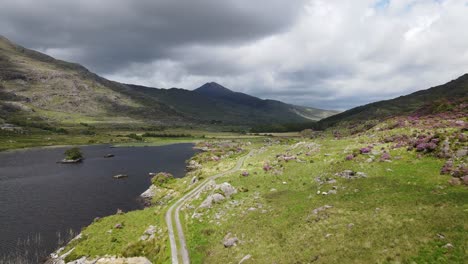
113,33
330,54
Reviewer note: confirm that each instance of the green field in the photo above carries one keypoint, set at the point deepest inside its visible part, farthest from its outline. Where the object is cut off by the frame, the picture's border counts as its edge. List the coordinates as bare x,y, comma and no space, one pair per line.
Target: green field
301,210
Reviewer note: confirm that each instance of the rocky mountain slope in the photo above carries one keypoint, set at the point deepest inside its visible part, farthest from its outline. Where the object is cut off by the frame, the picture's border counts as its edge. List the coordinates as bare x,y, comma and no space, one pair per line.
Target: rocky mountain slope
39,87
35,87
436,99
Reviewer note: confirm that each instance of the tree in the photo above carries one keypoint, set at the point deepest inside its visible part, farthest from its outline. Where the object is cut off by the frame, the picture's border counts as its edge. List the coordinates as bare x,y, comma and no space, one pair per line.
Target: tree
73,154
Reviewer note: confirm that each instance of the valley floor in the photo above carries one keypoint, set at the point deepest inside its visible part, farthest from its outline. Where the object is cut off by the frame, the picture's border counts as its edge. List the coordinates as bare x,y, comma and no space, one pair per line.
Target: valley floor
364,198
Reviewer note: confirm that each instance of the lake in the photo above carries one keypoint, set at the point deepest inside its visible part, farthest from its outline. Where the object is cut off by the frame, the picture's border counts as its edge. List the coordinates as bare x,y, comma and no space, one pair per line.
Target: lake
42,202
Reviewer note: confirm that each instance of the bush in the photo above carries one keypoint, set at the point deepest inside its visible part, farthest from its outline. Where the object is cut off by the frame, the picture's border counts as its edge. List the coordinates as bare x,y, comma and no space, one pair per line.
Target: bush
162,178
87,132
135,137
73,154
168,135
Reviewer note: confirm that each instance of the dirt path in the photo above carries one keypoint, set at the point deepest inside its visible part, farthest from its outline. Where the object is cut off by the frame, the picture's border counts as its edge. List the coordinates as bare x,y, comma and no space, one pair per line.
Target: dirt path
172,215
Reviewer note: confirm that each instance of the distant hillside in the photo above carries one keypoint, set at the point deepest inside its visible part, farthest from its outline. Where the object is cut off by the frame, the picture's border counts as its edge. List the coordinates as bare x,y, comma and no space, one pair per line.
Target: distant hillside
41,88
217,104
35,87
456,90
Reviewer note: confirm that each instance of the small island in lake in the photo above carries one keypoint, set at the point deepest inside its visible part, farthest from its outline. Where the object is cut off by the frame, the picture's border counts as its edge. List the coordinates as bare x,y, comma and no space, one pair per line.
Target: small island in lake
72,155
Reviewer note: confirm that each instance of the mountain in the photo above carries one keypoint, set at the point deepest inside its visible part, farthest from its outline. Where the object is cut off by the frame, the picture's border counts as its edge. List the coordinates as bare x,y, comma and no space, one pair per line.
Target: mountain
215,103
39,88
435,99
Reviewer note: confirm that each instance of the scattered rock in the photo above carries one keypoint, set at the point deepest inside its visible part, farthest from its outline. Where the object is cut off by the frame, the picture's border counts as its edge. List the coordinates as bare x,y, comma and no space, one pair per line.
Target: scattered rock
230,241
118,226
213,198
197,215
465,179
210,185
454,181
461,153
194,180
148,194
112,260
322,208
151,230
245,258
361,174
245,173
217,197
70,161
319,213
149,233
448,246
193,165
227,189
331,181
349,174
120,176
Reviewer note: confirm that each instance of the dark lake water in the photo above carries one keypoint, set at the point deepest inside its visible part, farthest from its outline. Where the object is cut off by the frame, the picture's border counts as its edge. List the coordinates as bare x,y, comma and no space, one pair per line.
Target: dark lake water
41,200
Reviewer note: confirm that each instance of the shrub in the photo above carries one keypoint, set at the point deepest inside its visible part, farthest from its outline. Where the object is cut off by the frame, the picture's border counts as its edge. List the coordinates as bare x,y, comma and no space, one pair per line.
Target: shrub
87,132
135,136
365,150
161,178
168,135
266,166
73,154
385,156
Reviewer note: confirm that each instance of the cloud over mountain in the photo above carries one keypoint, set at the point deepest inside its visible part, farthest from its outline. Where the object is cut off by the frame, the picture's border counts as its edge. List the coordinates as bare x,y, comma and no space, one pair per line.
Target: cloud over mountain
330,54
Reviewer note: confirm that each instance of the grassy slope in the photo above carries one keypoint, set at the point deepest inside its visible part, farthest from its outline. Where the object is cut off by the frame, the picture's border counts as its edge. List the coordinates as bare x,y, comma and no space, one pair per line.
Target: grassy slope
396,214
37,88
393,216
453,90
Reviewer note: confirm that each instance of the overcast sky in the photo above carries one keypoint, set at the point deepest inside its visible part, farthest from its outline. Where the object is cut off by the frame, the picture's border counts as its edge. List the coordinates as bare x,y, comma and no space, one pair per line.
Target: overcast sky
323,53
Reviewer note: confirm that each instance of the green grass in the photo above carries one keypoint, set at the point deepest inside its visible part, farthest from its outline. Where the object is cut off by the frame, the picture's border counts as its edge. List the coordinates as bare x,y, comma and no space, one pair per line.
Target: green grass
99,133
102,236
395,215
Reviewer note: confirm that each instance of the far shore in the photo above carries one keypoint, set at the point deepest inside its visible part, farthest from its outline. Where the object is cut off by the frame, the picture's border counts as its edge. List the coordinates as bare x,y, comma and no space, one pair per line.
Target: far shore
124,145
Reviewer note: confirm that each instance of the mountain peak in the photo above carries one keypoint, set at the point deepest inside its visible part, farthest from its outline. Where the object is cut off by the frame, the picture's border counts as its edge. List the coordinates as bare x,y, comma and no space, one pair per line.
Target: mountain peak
213,89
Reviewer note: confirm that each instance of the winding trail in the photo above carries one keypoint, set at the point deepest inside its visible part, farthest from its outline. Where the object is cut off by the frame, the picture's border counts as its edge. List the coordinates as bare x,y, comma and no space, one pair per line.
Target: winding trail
172,215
